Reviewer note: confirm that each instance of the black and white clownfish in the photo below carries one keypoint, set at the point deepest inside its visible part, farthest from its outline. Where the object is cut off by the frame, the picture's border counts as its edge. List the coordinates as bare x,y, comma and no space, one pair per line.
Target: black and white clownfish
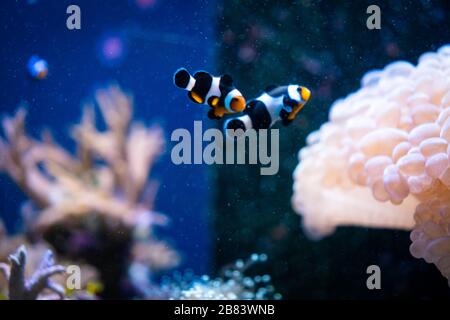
276,103
217,92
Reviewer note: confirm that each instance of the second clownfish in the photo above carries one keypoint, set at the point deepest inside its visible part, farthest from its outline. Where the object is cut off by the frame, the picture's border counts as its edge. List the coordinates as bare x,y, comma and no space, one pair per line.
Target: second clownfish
276,103
217,92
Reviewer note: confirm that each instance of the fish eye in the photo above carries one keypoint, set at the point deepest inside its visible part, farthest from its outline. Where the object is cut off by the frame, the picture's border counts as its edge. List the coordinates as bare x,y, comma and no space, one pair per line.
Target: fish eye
237,104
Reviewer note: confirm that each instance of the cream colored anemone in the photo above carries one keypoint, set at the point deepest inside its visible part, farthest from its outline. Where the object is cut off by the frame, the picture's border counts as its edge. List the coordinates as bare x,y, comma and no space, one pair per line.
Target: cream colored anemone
382,160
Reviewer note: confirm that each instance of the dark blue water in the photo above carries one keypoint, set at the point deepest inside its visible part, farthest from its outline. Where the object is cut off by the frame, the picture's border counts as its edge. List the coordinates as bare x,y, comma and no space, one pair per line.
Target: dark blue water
155,42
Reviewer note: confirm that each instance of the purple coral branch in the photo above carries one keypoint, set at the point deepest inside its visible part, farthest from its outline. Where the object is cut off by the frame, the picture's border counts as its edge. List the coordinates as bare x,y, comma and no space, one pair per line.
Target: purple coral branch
21,288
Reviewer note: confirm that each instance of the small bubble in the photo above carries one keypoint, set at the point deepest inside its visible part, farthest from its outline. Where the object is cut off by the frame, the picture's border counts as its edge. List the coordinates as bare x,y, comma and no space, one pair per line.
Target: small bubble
205,278
266,278
239,264
248,282
231,296
247,295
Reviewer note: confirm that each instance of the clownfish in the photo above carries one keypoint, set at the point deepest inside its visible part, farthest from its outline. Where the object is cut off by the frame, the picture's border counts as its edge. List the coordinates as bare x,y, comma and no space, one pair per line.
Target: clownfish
217,92
37,68
276,103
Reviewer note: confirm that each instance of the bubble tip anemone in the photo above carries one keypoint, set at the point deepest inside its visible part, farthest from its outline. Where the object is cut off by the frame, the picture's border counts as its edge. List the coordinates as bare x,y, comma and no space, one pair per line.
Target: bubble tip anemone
382,160
325,208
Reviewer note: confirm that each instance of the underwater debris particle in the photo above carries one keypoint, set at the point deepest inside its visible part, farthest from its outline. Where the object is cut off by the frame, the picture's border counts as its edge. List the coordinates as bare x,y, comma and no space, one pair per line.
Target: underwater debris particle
37,68
145,4
112,49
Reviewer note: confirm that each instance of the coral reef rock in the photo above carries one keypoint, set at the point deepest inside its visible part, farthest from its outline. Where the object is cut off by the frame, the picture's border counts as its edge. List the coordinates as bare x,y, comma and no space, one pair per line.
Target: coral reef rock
233,284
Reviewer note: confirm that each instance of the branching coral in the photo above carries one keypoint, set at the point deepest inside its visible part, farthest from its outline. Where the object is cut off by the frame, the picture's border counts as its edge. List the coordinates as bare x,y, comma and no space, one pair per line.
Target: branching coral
156,255
61,184
384,155
97,205
34,253
21,288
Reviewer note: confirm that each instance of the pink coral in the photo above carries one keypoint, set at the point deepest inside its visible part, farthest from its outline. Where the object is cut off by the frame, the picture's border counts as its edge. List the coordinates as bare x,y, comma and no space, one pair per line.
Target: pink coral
384,155
61,184
99,199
